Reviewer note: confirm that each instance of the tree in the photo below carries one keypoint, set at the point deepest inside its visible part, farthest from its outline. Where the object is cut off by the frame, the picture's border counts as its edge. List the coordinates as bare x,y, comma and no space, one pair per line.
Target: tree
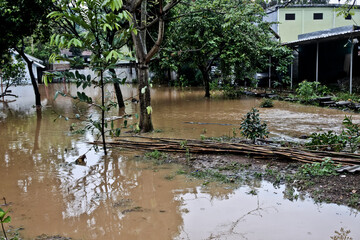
20,19
229,35
11,73
144,15
96,21
252,127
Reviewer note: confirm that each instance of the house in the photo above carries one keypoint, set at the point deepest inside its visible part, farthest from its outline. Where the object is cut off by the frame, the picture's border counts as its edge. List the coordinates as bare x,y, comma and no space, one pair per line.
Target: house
331,57
293,20
37,67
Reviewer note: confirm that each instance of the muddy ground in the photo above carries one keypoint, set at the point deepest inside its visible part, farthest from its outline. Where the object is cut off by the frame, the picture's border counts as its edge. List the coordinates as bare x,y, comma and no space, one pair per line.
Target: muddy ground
341,188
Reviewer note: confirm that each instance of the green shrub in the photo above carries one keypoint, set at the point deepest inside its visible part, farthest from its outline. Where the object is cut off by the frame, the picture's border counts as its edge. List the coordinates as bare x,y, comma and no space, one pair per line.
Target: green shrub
328,139
232,92
267,103
341,96
351,133
310,90
251,126
325,168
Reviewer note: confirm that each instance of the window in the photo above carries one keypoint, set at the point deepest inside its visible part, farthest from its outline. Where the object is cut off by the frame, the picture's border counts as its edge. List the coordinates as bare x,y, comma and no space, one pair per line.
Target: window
318,16
348,17
290,16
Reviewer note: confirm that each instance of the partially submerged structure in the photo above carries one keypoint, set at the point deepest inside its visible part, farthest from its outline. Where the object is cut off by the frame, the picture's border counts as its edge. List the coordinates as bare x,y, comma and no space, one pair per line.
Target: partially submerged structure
329,56
37,68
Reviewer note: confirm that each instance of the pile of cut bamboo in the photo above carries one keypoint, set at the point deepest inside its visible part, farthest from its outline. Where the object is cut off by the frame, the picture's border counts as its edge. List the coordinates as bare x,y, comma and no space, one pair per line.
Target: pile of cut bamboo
252,150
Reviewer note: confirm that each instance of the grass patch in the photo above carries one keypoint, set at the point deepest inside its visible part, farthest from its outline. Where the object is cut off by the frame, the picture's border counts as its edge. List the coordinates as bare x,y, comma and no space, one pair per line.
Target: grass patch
212,176
157,157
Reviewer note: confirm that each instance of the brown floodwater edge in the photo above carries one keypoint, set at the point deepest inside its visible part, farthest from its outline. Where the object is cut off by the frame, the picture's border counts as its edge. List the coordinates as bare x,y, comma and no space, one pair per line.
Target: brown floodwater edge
123,196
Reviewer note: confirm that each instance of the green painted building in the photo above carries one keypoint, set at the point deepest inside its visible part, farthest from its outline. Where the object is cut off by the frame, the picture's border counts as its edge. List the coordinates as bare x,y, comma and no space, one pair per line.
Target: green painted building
294,20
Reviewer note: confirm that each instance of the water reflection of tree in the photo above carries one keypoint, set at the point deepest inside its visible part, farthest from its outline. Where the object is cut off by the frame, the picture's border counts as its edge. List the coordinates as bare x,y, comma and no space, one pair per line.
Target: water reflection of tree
107,180
37,130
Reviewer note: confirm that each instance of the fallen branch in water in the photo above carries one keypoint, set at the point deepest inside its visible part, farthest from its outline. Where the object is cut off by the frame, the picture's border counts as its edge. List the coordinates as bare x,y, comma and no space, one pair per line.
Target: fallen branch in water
252,150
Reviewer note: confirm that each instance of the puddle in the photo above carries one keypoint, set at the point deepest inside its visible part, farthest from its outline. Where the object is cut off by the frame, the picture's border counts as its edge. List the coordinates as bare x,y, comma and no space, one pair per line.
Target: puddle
119,197
267,215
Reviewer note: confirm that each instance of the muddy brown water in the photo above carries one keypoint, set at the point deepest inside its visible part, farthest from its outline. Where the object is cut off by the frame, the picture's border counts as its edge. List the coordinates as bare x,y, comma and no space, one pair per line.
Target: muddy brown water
120,197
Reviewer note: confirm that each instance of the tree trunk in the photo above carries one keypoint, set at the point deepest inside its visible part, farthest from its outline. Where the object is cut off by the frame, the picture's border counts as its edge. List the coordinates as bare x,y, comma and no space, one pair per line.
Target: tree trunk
119,95
145,98
144,57
37,130
206,80
118,92
32,77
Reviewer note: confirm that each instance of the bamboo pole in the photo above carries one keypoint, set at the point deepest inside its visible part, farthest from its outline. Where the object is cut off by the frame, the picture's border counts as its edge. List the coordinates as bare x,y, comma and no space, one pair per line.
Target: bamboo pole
211,147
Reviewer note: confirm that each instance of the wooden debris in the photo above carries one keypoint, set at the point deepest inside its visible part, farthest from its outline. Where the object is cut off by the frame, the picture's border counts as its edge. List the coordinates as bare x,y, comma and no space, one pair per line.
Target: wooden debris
211,147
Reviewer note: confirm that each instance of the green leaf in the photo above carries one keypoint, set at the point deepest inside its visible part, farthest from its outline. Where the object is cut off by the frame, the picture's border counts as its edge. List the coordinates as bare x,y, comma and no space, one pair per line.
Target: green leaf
7,219
118,132
143,89
149,110
56,95
112,124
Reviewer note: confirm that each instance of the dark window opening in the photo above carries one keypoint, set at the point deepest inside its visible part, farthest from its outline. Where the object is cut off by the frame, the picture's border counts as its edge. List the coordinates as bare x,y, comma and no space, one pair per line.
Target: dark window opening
318,16
348,17
290,16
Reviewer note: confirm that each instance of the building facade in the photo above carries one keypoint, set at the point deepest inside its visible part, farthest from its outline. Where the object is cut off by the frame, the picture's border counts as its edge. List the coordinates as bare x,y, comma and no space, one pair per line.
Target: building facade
294,20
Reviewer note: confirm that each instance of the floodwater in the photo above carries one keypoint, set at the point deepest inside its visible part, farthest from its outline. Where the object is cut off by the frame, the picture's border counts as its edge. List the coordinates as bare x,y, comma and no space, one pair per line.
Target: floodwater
120,197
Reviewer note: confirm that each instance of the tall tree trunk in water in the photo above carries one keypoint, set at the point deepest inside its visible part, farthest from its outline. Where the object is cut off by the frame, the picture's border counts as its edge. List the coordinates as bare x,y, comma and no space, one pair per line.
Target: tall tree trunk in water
142,55
32,77
145,98
118,92
206,79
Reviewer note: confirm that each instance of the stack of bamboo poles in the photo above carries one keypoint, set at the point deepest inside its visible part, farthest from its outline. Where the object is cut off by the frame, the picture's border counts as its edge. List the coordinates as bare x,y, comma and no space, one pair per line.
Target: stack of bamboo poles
252,150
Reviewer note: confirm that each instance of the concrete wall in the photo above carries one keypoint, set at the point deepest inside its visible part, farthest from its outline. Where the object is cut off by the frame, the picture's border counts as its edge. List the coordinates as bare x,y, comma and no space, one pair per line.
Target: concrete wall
304,20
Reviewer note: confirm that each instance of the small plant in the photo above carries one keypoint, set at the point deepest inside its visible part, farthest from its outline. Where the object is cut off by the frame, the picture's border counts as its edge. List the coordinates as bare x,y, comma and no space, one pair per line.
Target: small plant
234,132
306,90
342,235
232,92
211,175
267,103
156,156
346,97
310,90
251,126
252,192
351,133
4,219
325,168
329,140
354,200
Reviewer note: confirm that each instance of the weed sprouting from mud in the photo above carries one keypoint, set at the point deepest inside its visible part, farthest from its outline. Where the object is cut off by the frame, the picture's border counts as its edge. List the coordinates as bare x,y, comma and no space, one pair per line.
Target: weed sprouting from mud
212,175
341,235
157,157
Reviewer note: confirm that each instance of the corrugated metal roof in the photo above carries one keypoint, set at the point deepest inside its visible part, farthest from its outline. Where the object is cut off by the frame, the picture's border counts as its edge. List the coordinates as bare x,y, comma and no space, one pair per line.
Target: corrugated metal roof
325,35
